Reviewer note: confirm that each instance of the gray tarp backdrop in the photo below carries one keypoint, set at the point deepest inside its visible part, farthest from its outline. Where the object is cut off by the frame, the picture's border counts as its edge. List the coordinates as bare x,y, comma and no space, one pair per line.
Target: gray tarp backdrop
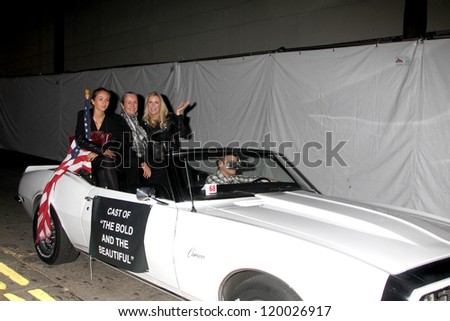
368,123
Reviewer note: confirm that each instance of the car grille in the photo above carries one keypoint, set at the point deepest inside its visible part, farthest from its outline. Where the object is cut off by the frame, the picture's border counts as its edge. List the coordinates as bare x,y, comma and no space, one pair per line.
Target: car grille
439,295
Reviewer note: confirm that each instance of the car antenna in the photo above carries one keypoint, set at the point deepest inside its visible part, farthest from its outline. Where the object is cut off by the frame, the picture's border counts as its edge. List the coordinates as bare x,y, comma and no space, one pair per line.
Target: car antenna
190,187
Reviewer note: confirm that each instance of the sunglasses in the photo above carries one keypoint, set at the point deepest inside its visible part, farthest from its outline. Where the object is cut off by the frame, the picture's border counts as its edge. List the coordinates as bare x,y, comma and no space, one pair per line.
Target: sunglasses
230,165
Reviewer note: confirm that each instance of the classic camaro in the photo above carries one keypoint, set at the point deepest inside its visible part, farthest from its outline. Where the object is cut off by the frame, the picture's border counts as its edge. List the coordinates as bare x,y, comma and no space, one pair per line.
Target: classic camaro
272,237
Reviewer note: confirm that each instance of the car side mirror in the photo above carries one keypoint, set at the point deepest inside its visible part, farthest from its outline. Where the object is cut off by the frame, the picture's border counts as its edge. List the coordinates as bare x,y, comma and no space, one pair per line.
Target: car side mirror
145,193
148,193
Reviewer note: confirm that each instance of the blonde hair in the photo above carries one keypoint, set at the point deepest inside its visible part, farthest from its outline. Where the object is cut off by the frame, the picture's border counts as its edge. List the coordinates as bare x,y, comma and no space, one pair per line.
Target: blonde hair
163,114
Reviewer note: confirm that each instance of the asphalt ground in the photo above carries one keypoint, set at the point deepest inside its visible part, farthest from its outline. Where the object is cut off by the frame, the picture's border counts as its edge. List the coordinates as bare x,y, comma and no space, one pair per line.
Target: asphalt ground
24,277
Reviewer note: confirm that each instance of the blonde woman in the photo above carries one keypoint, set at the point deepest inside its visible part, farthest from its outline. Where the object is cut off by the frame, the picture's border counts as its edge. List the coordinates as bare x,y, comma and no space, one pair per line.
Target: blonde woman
162,126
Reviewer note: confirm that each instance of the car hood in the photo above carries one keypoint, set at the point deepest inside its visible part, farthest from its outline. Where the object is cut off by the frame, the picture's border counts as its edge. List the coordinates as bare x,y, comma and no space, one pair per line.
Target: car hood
393,239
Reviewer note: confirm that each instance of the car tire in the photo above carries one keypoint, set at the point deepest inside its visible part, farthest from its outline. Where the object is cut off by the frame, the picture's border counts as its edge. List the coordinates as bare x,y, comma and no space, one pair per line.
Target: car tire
263,287
58,249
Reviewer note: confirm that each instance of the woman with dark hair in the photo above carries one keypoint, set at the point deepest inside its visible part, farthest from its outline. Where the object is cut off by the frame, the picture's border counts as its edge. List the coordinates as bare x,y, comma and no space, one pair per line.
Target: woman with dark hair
101,156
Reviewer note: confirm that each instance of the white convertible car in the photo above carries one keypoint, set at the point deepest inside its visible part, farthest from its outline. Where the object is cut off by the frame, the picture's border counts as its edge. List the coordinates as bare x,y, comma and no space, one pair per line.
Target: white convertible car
275,238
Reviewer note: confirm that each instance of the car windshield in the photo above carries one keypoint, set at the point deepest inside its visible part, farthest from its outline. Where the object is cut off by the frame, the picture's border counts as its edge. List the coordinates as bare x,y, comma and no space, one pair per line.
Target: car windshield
251,172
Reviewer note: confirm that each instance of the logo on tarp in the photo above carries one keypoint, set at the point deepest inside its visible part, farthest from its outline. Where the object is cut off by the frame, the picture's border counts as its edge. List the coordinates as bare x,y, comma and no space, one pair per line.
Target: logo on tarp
117,233
402,60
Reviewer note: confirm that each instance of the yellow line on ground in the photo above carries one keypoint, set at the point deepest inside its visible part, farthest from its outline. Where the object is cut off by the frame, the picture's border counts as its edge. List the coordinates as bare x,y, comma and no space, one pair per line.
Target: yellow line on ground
41,295
13,275
2,286
13,297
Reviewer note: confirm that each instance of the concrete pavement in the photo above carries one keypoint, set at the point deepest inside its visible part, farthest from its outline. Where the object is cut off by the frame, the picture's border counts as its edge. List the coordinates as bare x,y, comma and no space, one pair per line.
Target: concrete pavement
23,276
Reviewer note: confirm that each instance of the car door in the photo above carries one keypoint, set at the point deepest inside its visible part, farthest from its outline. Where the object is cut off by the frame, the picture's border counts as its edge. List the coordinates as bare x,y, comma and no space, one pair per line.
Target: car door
130,234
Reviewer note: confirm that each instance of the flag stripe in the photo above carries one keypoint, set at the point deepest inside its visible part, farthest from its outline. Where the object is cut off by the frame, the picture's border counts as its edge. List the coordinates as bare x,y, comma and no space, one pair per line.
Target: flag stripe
75,160
68,164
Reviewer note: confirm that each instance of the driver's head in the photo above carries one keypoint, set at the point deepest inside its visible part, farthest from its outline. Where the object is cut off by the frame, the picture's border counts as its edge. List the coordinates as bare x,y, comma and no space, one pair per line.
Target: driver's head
227,165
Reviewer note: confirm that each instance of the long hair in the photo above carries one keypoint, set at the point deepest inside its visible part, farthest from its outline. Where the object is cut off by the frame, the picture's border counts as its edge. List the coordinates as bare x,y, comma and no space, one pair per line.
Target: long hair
163,114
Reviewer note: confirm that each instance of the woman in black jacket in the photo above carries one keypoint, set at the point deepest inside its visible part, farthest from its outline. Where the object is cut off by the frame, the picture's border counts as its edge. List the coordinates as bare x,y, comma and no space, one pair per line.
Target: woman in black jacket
101,154
162,130
134,142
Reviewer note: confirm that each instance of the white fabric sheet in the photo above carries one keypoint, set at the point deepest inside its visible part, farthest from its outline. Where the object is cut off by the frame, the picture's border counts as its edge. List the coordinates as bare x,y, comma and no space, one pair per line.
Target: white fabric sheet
384,109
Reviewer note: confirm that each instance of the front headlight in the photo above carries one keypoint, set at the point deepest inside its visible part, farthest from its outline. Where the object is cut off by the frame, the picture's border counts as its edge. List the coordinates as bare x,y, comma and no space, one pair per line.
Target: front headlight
439,295
430,282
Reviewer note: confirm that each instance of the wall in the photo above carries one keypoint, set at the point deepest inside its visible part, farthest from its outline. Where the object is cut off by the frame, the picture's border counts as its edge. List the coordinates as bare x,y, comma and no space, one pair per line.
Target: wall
105,34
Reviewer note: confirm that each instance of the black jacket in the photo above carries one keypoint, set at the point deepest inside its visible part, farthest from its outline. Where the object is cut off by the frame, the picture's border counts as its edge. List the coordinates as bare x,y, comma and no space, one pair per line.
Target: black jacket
126,140
109,125
160,139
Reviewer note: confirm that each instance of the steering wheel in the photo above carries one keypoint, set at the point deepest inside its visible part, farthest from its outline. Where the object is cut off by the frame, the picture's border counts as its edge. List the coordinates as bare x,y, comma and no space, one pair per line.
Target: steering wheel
261,179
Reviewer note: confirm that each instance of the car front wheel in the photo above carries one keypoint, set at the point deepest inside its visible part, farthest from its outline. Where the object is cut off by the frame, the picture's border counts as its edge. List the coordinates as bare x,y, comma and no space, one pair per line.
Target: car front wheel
57,249
262,288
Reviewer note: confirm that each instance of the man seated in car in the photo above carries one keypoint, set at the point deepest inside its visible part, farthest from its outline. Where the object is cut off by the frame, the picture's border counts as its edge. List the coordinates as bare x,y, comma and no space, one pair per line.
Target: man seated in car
226,172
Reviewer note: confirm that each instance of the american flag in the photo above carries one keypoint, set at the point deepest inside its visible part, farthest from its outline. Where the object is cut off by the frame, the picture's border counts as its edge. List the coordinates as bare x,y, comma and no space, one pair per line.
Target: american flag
75,160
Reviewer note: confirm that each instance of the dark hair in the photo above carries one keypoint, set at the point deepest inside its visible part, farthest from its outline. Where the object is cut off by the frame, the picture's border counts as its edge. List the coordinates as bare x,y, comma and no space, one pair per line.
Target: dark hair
99,89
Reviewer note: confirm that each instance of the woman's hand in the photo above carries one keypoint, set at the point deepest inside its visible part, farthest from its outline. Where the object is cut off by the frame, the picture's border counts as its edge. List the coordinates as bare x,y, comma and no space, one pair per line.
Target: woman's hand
109,153
181,107
91,156
147,170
